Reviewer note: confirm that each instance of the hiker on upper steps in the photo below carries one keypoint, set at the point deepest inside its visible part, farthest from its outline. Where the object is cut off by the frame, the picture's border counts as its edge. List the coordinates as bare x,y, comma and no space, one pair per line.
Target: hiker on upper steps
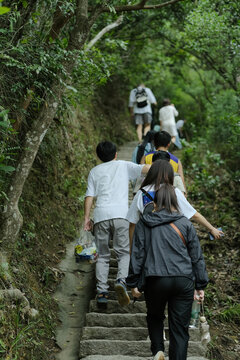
162,142
140,100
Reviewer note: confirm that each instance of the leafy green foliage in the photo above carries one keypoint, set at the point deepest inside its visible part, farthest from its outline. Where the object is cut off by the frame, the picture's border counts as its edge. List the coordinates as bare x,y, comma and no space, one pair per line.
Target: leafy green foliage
6,131
231,313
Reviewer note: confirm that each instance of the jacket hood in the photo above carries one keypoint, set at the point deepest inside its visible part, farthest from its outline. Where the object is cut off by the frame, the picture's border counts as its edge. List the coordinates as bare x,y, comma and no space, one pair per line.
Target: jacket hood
152,219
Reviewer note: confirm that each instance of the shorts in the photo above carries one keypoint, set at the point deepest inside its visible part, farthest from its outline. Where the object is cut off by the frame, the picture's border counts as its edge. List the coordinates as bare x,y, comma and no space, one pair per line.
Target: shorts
141,119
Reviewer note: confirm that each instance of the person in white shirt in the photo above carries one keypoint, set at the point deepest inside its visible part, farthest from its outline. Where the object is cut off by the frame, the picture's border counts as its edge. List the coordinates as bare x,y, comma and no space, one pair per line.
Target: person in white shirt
140,101
108,183
167,115
161,172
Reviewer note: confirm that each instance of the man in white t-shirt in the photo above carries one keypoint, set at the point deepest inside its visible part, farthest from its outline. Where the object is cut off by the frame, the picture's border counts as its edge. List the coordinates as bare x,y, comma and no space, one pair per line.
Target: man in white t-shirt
140,101
108,183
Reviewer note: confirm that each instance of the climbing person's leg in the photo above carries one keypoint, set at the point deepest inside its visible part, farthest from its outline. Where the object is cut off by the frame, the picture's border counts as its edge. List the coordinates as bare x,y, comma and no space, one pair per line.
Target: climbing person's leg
102,237
179,314
147,128
156,296
120,230
147,118
139,124
139,132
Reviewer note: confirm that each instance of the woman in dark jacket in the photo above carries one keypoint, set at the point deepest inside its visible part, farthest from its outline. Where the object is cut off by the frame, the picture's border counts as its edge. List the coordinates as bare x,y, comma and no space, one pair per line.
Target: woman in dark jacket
167,260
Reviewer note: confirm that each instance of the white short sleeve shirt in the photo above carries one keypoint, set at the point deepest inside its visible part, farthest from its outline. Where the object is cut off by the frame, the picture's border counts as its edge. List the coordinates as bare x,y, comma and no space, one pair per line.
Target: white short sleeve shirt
109,183
145,109
137,206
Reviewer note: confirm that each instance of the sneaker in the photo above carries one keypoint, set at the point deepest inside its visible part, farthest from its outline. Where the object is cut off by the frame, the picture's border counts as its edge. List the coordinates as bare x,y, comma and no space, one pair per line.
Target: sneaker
159,356
120,288
102,298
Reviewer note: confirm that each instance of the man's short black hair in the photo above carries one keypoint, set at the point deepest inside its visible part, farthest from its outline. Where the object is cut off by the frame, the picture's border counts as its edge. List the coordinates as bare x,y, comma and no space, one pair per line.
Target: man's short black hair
162,138
161,155
106,151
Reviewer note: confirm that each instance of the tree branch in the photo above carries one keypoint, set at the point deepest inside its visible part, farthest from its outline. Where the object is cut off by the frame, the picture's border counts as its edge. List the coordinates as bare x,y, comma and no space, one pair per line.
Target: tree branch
104,31
140,6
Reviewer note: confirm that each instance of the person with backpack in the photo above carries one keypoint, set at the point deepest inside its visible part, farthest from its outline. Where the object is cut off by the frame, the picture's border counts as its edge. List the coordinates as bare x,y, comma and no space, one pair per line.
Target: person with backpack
162,142
140,101
144,148
168,265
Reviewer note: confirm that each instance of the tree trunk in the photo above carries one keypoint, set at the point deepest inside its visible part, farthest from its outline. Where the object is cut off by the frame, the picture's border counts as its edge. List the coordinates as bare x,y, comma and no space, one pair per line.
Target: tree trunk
11,218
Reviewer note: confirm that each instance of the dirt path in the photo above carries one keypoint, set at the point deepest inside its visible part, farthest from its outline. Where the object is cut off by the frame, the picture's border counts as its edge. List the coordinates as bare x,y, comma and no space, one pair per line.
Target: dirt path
73,296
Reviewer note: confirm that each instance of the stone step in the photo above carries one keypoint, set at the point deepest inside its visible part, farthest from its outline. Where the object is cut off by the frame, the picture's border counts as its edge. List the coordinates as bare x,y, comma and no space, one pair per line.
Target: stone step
130,348
123,357
116,320
113,254
117,333
114,307
113,263
127,333
113,272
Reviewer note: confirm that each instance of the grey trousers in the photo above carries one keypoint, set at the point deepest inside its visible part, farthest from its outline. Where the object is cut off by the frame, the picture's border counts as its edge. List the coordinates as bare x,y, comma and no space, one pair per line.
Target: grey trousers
104,231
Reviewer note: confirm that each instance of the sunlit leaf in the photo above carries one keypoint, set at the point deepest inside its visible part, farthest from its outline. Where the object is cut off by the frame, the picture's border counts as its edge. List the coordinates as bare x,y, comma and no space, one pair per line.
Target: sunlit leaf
4,10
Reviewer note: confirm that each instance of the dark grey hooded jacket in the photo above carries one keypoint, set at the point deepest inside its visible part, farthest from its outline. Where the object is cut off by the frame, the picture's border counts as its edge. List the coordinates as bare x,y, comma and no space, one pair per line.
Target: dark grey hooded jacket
158,250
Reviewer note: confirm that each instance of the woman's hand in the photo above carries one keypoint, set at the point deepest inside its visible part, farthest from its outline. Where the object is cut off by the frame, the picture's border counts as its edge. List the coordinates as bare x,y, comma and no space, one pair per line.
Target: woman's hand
199,295
216,233
136,293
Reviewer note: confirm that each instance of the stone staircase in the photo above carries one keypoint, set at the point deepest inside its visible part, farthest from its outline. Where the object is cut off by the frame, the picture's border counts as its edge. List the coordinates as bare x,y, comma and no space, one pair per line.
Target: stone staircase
120,333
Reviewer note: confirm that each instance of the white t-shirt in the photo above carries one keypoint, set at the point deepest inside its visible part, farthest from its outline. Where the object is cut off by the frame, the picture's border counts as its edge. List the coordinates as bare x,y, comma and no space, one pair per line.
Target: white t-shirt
167,114
145,109
137,206
179,124
167,119
109,182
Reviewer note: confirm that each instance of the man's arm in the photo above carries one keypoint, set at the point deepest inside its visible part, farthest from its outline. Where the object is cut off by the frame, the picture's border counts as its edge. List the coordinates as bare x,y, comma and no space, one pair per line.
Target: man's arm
175,112
142,160
202,221
151,97
87,208
145,169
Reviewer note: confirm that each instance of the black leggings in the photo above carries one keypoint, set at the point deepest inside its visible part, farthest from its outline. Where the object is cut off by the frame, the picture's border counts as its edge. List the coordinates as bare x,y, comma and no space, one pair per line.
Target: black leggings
177,292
